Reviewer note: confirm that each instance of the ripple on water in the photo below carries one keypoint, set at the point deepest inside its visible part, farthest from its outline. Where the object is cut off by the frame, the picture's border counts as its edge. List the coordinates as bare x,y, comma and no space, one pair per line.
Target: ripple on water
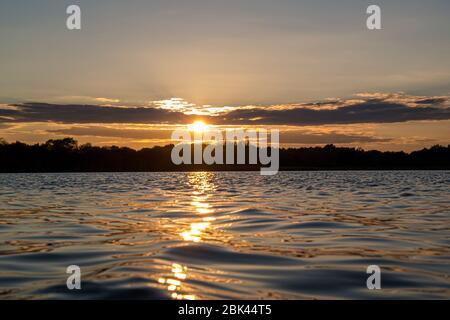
225,235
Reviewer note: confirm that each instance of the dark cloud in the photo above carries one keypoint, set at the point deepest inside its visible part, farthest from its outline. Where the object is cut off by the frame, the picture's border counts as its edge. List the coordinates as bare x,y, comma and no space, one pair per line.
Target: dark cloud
41,112
367,112
370,111
435,101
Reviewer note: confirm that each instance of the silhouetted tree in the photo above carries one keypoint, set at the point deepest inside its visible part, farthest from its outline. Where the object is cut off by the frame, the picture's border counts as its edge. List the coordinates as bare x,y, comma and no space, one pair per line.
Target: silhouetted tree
66,155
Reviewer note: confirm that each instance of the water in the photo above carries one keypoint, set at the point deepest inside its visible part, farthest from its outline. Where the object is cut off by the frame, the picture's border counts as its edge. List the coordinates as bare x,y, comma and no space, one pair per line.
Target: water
297,235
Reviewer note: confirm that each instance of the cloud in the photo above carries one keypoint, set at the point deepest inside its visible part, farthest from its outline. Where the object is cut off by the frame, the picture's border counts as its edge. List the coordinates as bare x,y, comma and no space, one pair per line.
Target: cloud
365,112
107,100
367,108
73,113
436,101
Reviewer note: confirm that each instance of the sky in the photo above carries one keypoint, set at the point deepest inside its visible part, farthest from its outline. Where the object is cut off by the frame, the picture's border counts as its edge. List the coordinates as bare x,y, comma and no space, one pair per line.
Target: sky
138,69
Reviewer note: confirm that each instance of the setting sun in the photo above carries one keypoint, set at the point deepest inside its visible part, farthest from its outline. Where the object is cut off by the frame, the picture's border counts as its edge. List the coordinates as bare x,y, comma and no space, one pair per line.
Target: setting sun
199,126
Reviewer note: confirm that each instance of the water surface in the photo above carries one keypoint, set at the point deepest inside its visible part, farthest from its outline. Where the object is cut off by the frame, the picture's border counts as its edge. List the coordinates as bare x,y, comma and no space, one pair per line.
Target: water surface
230,235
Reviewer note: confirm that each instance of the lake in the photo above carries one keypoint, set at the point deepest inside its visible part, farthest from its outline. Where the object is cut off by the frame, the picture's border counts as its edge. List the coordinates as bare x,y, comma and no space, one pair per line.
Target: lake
225,235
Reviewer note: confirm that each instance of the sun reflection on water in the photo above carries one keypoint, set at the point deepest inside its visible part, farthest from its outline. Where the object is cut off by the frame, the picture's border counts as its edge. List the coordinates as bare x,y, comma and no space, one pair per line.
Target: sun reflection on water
174,283
196,231
203,188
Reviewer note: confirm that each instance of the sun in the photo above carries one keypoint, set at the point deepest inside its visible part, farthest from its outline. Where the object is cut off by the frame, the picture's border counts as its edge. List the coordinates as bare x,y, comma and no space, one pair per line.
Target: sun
199,126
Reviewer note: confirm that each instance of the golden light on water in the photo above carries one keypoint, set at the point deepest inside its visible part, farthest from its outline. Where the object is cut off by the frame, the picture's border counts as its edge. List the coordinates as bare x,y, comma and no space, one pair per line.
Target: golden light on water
196,232
201,207
174,283
202,192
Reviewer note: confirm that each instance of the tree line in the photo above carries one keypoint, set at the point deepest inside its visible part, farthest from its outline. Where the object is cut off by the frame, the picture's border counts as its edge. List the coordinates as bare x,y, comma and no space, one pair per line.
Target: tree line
66,155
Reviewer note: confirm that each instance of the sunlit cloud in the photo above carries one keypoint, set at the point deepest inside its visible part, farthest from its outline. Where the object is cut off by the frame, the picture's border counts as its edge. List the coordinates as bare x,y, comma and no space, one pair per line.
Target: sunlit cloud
174,104
107,100
181,105
78,99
